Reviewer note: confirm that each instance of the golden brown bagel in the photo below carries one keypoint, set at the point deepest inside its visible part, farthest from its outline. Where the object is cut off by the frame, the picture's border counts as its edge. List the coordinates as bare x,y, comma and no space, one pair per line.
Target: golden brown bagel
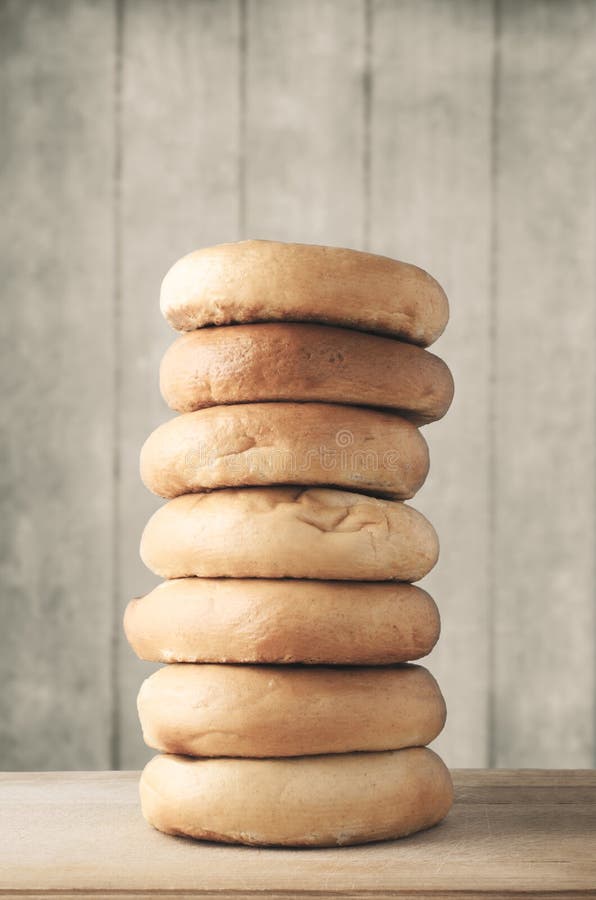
258,620
293,362
312,801
288,532
257,711
267,281
285,443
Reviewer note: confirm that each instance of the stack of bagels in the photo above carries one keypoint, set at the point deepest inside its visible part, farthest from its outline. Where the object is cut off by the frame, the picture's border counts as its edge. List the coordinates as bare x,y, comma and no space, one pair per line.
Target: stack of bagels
289,712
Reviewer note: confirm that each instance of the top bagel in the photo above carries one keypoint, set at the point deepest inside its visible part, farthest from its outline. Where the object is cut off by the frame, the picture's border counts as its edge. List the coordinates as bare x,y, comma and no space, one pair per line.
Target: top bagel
267,281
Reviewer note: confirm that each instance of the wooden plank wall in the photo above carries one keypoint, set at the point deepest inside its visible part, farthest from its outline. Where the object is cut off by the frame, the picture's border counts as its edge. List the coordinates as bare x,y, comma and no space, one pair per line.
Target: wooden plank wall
458,134
58,388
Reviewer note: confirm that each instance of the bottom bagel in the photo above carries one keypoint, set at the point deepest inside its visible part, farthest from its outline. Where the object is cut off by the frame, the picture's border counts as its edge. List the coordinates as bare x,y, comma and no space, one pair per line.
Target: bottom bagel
317,801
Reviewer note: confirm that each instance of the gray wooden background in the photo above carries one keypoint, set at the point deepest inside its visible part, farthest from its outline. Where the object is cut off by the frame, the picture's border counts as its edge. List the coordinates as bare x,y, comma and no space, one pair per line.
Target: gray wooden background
457,134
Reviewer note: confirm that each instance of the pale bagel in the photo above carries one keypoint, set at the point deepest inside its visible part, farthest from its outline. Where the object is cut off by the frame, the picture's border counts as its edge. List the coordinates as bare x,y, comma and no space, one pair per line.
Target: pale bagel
259,620
287,532
285,443
317,801
248,363
267,281
257,711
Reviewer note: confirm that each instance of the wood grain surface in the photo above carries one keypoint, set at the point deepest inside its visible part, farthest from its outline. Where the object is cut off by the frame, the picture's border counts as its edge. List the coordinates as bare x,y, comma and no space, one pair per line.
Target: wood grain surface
510,834
458,134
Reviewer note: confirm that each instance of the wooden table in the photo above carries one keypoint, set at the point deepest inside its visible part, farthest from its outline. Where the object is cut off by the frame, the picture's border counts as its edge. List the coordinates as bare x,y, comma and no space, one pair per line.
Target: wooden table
510,834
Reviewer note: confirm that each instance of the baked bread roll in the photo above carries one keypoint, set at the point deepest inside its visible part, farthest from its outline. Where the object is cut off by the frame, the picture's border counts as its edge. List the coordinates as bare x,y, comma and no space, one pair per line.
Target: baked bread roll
257,711
317,801
248,363
287,532
239,620
285,443
267,281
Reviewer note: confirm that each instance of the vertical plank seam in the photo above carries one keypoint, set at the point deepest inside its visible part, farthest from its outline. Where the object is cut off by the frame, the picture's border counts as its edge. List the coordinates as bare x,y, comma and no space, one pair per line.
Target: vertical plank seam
117,376
367,97
492,385
242,114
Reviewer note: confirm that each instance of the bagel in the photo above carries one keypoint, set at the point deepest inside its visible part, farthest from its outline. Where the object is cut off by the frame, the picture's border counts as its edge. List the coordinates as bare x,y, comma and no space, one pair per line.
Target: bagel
285,443
258,711
248,363
267,281
236,620
317,801
287,532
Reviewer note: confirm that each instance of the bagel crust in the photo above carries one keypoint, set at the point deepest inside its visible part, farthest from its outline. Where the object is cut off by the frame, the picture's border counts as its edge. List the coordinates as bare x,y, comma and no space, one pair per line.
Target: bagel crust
317,801
285,532
262,711
268,281
237,620
294,362
285,443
